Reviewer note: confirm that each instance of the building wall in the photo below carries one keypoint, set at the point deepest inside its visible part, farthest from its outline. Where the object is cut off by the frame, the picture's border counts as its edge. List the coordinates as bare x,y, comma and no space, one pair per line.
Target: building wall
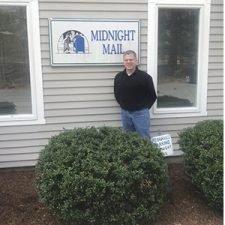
82,96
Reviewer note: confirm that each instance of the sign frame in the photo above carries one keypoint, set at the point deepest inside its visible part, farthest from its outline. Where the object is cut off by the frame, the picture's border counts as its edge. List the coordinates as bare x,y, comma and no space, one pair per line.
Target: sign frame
91,42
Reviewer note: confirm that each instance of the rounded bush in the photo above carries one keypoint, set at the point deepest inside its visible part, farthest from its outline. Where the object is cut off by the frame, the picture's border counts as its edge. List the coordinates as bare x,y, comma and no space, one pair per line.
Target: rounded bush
101,176
203,158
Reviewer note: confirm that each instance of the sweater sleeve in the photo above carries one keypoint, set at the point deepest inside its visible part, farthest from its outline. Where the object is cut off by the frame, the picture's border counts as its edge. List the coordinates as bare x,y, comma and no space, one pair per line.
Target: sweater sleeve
151,93
116,91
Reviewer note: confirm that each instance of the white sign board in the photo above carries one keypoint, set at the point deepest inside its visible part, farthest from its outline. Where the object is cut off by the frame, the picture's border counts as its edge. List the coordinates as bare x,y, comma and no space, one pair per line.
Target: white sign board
79,42
165,143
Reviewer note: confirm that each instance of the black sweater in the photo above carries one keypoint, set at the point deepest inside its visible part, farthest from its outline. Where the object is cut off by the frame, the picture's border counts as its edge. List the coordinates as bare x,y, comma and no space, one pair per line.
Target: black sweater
134,92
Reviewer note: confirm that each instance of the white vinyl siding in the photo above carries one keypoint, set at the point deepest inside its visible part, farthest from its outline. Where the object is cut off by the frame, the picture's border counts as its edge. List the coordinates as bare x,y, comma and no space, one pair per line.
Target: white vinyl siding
83,96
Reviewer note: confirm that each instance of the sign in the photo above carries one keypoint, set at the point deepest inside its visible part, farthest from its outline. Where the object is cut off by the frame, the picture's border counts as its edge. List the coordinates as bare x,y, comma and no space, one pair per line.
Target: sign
165,144
79,42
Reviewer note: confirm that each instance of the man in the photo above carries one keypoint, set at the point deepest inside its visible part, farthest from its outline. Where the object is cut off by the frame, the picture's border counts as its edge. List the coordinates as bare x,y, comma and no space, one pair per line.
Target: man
135,93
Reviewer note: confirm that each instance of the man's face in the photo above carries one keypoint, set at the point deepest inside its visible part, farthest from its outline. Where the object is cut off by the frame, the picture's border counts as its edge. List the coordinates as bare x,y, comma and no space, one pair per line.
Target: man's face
130,62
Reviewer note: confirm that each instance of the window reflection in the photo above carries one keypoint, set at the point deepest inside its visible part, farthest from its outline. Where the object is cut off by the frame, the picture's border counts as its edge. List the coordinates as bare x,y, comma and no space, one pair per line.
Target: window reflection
15,90
177,57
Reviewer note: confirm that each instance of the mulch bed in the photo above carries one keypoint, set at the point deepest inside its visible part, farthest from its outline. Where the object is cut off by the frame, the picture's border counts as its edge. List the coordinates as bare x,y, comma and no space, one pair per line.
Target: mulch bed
19,203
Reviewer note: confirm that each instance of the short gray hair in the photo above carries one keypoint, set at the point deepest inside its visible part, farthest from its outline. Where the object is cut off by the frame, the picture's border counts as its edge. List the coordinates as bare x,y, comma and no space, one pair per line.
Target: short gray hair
130,52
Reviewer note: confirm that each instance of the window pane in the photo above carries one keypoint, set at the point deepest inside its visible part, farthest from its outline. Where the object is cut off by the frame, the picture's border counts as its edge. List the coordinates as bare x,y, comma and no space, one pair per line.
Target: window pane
177,57
15,90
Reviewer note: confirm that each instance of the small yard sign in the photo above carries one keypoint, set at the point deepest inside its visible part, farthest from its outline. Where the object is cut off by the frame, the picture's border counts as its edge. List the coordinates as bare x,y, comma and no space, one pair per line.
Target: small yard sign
165,143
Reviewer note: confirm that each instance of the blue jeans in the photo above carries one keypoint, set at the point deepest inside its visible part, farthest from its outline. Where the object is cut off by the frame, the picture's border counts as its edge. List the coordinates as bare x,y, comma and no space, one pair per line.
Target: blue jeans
136,121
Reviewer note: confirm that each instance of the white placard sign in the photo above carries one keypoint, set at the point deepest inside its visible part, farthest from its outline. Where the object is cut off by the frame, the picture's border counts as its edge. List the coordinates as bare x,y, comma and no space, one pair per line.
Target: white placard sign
79,42
165,143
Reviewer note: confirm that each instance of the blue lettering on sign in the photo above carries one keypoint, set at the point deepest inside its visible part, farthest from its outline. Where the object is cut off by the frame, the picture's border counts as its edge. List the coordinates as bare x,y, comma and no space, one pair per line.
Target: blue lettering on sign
165,143
112,49
112,35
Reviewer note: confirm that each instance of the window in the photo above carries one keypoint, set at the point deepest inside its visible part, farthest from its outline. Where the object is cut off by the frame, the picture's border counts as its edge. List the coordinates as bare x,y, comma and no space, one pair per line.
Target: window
178,56
21,98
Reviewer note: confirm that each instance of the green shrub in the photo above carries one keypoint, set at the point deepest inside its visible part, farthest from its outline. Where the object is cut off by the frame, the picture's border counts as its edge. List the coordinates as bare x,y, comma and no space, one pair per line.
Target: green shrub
101,176
203,158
